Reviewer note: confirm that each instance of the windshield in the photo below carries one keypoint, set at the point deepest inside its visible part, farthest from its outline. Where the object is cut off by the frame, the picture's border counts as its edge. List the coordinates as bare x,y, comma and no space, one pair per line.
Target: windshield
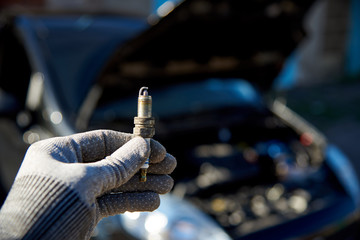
72,50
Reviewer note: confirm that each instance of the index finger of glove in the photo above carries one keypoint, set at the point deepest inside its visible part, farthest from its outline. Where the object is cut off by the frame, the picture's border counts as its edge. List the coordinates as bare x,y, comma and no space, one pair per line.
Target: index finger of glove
166,166
158,152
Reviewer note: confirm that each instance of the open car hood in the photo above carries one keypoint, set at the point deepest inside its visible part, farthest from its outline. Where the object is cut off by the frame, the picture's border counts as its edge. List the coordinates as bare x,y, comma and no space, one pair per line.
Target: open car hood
211,38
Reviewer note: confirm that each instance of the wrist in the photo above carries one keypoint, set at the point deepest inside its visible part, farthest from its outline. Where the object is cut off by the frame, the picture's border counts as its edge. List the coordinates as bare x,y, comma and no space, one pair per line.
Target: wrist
41,207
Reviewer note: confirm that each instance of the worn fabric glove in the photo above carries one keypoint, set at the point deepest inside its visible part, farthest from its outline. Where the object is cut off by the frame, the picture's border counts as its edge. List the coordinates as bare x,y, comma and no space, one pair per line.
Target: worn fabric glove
66,185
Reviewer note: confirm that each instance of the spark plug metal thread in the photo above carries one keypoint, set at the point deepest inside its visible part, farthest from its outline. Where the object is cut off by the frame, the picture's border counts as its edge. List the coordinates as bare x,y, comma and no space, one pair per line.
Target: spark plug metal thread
144,124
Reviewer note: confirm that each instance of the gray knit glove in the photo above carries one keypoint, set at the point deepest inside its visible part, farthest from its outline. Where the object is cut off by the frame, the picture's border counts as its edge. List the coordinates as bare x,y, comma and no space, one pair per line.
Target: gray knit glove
66,185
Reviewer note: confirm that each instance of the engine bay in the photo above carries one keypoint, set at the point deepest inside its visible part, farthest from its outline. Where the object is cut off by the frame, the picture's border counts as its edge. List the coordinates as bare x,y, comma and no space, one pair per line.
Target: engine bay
250,171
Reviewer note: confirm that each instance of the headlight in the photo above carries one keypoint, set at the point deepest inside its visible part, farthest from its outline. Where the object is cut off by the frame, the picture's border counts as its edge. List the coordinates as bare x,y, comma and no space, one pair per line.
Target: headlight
175,219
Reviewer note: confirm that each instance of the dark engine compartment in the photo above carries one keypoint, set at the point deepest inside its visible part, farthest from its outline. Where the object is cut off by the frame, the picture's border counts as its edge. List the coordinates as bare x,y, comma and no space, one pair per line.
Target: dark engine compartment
251,172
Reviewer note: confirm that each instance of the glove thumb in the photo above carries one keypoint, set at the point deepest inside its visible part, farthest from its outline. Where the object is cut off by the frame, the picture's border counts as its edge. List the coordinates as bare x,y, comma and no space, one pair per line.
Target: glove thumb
120,166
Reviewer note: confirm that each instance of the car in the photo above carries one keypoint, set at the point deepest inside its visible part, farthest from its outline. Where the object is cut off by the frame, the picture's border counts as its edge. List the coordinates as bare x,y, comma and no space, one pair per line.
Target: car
248,166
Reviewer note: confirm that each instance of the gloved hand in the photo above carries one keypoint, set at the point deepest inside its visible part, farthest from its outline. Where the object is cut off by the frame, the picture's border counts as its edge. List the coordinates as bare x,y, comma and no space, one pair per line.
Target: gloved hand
66,185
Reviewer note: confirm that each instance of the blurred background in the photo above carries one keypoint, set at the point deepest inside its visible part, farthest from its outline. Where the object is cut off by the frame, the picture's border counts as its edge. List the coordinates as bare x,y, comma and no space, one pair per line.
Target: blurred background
327,73
74,65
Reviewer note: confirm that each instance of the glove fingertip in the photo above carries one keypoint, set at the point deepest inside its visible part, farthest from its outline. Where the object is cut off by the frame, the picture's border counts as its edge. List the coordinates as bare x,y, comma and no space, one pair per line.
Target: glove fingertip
112,204
171,163
150,202
158,151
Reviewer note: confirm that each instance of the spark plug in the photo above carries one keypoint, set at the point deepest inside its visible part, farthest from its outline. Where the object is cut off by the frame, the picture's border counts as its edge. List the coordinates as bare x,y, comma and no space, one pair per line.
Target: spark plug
144,124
